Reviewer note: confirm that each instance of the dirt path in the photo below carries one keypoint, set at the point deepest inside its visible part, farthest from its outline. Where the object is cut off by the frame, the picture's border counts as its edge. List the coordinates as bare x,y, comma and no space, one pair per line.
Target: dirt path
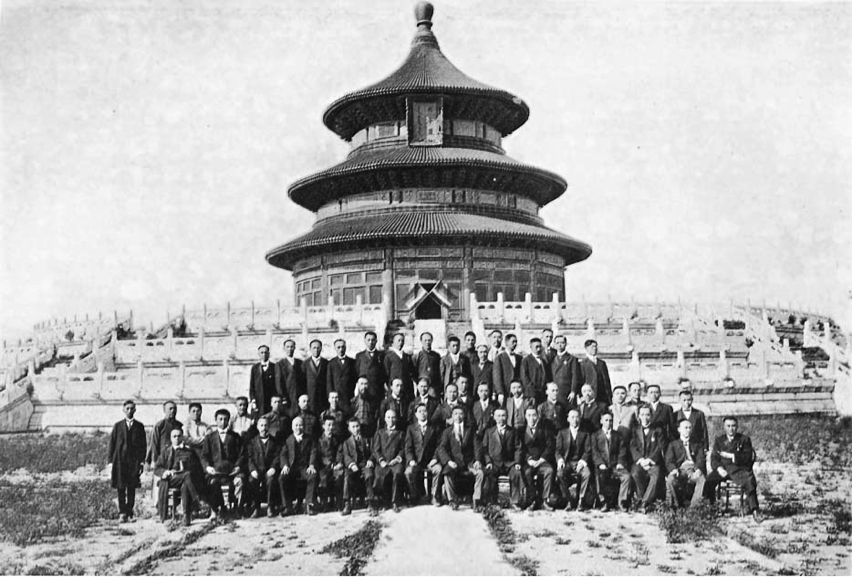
436,541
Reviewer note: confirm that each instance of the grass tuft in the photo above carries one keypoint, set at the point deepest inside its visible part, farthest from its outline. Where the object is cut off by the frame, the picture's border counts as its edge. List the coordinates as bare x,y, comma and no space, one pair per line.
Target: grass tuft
689,525
357,547
52,453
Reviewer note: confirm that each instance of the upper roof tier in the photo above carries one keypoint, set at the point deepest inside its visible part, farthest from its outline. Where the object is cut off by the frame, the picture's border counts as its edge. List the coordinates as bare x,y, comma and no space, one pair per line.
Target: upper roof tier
426,71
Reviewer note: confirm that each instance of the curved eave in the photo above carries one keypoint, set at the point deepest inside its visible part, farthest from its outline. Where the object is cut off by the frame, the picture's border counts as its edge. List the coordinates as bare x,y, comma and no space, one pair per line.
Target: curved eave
408,167
402,227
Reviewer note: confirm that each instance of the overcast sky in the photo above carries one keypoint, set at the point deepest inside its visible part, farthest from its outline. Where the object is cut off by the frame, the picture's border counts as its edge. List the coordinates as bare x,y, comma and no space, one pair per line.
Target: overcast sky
147,146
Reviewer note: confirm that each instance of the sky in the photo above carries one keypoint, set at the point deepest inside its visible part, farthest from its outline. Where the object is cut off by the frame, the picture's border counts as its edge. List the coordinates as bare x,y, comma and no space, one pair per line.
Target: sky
146,147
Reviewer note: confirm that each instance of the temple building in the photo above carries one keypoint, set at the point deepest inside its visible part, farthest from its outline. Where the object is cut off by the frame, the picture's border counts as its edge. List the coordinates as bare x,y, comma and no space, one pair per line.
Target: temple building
427,208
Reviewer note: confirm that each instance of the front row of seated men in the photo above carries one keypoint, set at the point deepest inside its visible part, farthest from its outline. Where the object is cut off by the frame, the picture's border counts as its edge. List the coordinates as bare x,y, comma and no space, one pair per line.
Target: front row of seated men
331,467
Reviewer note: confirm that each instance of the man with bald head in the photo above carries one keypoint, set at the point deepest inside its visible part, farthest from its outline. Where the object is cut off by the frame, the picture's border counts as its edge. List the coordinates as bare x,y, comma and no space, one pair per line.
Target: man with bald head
298,462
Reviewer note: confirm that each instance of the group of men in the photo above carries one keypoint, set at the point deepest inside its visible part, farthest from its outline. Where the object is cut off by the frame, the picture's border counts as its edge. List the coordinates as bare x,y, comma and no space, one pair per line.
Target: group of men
386,426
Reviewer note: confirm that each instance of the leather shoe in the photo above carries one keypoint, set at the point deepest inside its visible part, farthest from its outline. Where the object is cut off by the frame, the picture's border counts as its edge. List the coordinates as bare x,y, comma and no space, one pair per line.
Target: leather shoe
437,502
454,506
311,509
122,518
395,508
756,515
605,508
347,509
546,506
255,514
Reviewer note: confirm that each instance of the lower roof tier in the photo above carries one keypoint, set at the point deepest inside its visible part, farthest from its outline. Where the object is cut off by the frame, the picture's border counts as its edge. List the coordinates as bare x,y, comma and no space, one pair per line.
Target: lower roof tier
396,228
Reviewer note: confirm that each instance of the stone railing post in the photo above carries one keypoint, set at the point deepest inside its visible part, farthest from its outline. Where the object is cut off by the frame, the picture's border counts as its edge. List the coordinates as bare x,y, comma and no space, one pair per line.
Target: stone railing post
590,329
303,304
170,338
635,365
234,339
181,378
474,308
228,314
268,335
800,364
501,309
226,366
140,378
201,342
329,312
681,363
100,379
278,316
528,309
556,310
724,370
359,307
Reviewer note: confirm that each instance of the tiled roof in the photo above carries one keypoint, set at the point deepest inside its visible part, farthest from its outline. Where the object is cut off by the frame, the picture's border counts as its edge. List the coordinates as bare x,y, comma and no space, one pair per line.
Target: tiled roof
397,227
425,71
406,166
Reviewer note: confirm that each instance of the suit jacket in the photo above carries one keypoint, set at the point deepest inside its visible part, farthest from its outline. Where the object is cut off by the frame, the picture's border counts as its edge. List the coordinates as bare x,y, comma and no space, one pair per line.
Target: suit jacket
161,438
483,418
328,452
262,458
420,448
340,378
223,456
398,405
615,454
292,379
372,367
354,452
516,417
501,451
541,445
444,414
677,454
505,372
742,449
597,375
387,445
549,353
567,376
534,376
309,420
400,368
590,416
181,459
699,426
279,426
299,455
663,419
624,418
651,446
462,452
572,450
261,390
431,403
316,377
450,370
554,413
482,374
126,453
428,364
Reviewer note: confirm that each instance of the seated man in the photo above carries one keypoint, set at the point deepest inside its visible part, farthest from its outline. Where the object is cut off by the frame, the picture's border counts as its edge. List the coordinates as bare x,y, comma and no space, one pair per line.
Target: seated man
263,454
685,463
329,469
501,454
647,446
573,456
357,466
458,454
388,453
552,410
298,461
225,462
732,458
421,439
537,447
609,455
178,467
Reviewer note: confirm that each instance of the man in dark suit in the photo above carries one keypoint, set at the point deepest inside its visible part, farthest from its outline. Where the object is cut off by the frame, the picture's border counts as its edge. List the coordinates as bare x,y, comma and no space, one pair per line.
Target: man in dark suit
388,455
685,462
482,370
507,368
398,365
394,402
423,398
224,462
178,467
316,377
596,373
292,373
338,415
277,421
552,410
732,458
647,447
696,418
298,461
590,410
357,464
537,449
501,455
329,468
265,382
443,416
609,455
623,415
458,452
565,369
454,364
427,363
370,364
421,439
535,372
263,453
662,415
161,435
547,350
340,374
516,406
470,350
365,408
573,457
310,421
483,410
126,455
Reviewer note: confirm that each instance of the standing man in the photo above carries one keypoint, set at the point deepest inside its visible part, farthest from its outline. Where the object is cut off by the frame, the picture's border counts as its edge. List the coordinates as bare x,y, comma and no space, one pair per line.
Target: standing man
421,439
423,398
548,352
501,454
470,349
647,446
516,406
370,364
394,402
495,337
662,415
596,373
316,376
537,448
388,455
685,462
482,370
310,422
162,433
454,364
341,375
427,363
195,429
458,451
126,455
298,459
733,458
566,373
507,368
277,421
609,455
224,462
573,457
552,410
292,374
265,381
535,372
398,365
590,410
364,409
